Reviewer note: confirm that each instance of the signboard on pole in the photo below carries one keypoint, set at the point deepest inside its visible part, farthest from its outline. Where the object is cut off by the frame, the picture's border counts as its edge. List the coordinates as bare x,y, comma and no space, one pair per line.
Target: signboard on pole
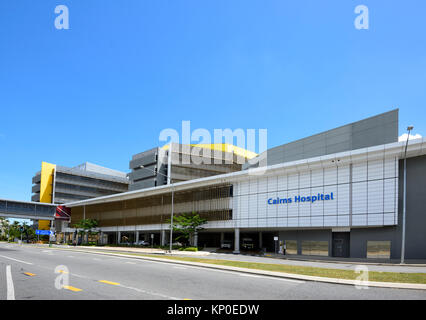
43,232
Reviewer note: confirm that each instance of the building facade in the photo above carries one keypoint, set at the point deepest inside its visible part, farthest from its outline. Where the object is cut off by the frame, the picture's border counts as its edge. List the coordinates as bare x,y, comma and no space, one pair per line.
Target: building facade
176,162
339,204
59,184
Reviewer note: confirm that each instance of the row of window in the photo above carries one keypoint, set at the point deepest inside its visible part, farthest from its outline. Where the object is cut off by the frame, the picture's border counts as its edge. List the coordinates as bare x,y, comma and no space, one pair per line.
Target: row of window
375,249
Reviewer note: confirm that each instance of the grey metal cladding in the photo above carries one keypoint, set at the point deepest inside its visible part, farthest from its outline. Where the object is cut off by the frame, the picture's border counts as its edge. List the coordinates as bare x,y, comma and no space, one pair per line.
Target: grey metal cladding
144,153
376,130
143,173
148,159
142,184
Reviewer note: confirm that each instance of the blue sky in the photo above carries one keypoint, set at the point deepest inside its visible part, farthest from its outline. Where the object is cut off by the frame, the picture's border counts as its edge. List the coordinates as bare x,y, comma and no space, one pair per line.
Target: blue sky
125,70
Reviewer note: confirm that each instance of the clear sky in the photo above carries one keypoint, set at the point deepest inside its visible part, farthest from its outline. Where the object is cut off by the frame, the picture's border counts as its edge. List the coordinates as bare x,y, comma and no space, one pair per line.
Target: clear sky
125,70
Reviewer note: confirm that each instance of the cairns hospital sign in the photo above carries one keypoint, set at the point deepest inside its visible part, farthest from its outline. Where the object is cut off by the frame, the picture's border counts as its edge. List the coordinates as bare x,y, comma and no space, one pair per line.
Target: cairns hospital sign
296,199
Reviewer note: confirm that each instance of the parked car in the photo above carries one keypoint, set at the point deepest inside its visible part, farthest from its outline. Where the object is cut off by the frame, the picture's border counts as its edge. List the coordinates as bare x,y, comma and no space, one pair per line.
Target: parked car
226,244
248,243
142,243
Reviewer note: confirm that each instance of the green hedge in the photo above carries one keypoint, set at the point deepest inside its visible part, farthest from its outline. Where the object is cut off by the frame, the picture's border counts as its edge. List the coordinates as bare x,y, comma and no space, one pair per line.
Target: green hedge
189,249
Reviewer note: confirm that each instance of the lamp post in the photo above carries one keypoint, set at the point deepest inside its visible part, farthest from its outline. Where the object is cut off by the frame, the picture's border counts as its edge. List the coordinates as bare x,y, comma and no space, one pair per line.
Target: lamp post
171,218
404,205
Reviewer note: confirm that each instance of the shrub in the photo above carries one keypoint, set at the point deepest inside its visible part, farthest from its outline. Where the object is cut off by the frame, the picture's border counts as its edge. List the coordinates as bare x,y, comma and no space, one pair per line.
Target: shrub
191,249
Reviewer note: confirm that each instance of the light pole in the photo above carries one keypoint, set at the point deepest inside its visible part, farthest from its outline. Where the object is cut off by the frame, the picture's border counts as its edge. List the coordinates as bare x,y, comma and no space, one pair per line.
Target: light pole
404,205
171,218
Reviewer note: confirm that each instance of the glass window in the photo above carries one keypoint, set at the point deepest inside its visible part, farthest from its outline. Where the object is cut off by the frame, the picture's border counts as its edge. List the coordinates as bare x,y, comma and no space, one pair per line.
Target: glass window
315,248
291,246
378,249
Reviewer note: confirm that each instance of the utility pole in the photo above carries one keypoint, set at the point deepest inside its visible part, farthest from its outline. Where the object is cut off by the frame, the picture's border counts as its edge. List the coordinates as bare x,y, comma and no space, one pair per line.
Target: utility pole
404,198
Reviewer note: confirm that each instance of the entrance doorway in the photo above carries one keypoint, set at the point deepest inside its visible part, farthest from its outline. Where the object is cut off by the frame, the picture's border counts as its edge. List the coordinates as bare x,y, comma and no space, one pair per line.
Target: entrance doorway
341,244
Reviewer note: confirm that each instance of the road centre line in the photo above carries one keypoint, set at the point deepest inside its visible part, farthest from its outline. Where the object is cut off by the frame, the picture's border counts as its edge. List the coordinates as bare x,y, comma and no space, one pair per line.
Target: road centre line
9,282
109,282
16,260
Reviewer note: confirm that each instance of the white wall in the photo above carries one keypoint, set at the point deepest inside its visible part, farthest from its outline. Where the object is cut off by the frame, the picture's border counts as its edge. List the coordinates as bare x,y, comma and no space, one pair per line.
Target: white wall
374,197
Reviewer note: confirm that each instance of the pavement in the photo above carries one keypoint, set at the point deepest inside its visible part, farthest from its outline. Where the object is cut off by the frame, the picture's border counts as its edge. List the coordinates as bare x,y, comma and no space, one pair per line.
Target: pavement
34,272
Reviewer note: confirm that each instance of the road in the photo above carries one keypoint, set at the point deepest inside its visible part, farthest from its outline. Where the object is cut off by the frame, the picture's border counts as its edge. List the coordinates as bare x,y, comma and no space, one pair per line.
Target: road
28,272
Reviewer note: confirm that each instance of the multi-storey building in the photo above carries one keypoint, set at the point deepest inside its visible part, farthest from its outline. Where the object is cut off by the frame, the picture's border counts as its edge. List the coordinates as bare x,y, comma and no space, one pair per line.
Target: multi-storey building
59,184
176,162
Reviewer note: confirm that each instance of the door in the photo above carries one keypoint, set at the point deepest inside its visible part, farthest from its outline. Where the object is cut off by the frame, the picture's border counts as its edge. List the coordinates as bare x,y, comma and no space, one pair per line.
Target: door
341,244
338,248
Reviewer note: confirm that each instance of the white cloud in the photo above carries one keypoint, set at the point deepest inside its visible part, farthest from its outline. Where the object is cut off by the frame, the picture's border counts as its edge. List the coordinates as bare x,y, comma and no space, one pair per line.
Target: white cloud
412,137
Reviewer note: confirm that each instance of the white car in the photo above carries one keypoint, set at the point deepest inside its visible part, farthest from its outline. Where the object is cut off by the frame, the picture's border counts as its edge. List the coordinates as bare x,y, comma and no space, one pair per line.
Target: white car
226,244
142,243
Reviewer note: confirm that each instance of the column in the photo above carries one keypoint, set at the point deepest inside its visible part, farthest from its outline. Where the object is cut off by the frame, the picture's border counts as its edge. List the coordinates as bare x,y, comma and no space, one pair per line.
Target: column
136,237
101,238
222,237
237,241
196,239
163,237
118,237
260,240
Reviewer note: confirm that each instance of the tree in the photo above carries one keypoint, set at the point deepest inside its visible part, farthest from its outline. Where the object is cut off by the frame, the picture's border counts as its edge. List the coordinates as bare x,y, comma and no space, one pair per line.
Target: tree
4,228
87,227
188,224
28,231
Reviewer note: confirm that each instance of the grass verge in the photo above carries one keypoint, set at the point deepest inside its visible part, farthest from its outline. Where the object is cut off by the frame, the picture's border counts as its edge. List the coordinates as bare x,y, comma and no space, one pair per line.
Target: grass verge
309,271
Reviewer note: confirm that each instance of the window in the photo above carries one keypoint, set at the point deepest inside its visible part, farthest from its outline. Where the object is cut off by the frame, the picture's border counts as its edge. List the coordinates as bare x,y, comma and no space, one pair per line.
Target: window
291,246
315,248
378,249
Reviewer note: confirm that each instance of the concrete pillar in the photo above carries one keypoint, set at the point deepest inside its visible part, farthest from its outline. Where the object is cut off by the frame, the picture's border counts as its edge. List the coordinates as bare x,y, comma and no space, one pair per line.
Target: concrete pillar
146,235
222,237
118,237
101,238
196,239
237,241
136,237
260,240
163,237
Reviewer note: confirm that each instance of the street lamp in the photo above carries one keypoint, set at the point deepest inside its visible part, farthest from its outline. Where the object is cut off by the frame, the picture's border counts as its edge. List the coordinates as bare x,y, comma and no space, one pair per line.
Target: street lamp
404,197
171,219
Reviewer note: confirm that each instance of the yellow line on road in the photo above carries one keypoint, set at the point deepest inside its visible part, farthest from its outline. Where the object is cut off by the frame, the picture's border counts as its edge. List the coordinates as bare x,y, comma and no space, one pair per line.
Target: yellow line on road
72,288
109,282
29,274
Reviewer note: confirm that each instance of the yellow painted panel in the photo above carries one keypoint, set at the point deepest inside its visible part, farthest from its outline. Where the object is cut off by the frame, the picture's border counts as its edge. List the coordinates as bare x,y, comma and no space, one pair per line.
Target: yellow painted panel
44,225
224,147
46,182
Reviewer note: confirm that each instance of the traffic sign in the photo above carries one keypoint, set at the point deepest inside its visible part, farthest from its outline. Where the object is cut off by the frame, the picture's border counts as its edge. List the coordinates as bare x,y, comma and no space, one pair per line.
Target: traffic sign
44,232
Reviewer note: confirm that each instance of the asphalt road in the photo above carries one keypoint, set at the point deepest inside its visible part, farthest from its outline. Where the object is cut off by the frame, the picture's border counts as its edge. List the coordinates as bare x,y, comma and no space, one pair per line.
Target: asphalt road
28,272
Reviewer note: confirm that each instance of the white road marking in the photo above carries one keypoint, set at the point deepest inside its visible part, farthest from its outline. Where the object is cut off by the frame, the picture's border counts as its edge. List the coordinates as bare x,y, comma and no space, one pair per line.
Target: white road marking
10,288
16,260
131,262
151,293
180,268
